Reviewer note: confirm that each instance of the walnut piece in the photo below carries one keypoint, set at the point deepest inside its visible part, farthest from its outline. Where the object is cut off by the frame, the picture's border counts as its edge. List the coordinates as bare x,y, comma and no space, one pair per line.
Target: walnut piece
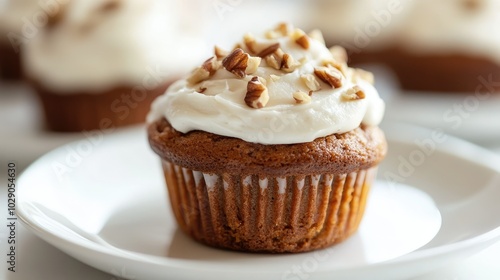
300,38
288,64
301,97
220,53
240,63
250,42
201,90
310,82
257,95
329,75
269,50
207,69
275,59
354,93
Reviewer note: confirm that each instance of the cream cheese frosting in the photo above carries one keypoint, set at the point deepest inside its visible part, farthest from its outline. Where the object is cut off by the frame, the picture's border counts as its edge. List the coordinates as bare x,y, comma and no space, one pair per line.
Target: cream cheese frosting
15,13
217,104
96,45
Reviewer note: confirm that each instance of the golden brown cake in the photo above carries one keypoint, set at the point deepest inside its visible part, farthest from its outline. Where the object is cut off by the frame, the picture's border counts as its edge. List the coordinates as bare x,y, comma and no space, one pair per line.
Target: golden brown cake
267,156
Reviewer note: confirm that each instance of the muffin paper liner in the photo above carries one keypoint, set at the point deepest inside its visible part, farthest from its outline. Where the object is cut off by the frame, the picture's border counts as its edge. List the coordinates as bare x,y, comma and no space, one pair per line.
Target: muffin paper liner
267,214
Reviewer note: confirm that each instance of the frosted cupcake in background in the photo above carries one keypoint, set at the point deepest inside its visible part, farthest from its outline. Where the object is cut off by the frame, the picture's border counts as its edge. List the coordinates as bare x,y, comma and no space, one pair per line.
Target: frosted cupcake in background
99,64
16,18
431,45
271,146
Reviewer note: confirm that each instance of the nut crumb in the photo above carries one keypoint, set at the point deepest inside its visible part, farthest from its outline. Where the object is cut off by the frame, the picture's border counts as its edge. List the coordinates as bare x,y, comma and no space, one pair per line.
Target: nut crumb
207,69
301,97
240,63
275,59
269,50
310,81
331,76
220,53
301,38
354,93
201,90
288,64
257,95
274,78
249,41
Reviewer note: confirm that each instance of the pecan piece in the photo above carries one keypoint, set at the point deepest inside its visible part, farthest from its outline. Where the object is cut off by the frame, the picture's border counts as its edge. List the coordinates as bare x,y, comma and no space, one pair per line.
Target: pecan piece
301,38
269,50
310,82
354,93
240,63
207,69
220,53
329,75
257,95
288,64
301,97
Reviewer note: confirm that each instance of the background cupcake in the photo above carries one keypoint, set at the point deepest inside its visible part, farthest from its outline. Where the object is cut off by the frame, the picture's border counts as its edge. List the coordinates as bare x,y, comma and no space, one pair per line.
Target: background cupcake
430,46
16,26
271,147
100,63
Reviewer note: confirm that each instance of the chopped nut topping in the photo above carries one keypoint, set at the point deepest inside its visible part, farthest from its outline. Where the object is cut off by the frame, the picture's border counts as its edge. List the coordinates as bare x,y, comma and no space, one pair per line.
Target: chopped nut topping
301,38
271,34
339,54
275,59
363,75
201,89
199,74
269,50
240,63
249,41
283,28
334,63
310,82
220,53
211,65
288,64
253,64
329,75
317,35
354,93
301,97
274,78
207,69
257,95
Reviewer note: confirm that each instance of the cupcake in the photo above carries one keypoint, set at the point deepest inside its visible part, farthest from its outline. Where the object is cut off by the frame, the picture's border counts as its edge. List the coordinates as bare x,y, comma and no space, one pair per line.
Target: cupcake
18,23
430,45
270,147
100,64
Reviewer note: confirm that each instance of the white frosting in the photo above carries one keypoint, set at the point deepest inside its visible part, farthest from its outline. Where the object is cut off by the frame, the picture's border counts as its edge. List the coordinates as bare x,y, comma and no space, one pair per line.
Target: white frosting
448,26
137,44
221,108
421,26
14,13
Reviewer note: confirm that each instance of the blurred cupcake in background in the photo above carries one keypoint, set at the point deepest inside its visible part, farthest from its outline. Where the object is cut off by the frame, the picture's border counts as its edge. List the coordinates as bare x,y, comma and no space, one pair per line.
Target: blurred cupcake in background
18,21
431,45
99,64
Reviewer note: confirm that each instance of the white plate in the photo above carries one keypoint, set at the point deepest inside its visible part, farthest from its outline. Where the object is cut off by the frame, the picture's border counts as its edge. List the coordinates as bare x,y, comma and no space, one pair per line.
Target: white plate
102,201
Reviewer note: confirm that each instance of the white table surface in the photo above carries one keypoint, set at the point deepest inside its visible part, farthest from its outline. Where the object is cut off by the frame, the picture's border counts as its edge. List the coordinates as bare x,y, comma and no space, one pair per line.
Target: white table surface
22,139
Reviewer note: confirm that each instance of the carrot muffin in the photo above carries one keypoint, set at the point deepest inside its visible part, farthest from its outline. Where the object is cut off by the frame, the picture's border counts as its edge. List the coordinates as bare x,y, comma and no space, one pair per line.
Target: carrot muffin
444,46
100,64
270,147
